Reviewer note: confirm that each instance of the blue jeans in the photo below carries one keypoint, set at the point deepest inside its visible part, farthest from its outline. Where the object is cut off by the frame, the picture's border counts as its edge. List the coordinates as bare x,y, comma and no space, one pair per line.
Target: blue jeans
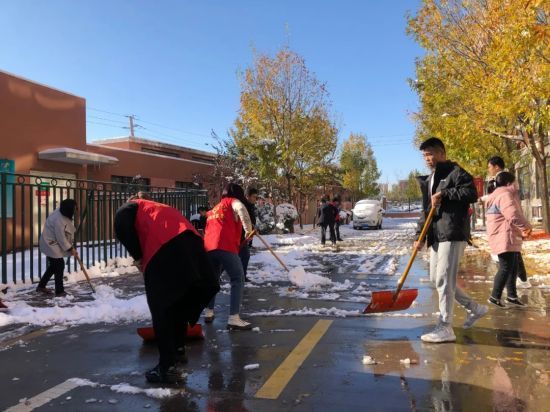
230,262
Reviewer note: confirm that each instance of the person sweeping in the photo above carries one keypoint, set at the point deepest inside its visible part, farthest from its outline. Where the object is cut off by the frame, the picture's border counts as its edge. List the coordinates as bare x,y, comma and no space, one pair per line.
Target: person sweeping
179,281
222,241
56,242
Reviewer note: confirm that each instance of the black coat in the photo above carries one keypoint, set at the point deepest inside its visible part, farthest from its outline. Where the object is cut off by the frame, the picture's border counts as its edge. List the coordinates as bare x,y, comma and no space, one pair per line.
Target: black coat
179,270
327,214
451,221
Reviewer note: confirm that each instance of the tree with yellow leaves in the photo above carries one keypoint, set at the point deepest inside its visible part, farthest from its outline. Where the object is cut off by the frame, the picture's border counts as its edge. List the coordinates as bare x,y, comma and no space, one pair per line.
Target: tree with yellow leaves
484,82
284,123
359,167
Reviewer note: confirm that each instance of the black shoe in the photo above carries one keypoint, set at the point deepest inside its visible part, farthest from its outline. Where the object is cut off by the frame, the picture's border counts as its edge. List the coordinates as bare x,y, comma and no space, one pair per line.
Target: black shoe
44,291
246,279
515,301
162,375
60,294
340,240
496,302
181,357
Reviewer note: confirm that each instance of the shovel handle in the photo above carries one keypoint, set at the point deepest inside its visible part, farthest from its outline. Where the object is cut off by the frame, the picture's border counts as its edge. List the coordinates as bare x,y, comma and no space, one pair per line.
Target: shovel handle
272,252
84,271
403,277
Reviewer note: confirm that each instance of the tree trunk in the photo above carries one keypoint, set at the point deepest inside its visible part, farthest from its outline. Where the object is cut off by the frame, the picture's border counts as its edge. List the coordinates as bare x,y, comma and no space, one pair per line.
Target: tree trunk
541,166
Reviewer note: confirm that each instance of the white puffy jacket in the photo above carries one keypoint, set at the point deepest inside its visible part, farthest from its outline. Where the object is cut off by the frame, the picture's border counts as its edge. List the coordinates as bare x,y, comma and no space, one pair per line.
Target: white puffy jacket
57,236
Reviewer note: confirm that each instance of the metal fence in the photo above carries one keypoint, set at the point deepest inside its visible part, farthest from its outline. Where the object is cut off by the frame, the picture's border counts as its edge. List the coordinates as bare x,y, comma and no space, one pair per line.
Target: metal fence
27,200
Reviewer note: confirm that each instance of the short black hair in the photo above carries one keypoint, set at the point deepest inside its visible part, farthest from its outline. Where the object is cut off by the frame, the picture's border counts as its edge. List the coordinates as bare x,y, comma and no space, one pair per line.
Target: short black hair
496,161
504,179
432,143
251,191
202,209
336,198
67,208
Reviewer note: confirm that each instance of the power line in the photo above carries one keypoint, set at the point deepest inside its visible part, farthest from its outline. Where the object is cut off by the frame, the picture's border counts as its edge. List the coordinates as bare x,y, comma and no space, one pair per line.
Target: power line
106,111
108,120
105,124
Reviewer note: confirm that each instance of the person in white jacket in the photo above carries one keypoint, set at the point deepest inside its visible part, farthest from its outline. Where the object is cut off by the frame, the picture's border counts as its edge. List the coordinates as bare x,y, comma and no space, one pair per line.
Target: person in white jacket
56,242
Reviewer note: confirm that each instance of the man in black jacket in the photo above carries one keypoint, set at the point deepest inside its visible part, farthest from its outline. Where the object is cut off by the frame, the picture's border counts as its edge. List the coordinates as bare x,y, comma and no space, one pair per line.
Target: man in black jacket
327,218
450,189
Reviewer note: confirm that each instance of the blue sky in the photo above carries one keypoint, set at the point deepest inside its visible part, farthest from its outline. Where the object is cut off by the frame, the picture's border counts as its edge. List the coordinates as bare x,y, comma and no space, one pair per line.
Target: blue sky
174,64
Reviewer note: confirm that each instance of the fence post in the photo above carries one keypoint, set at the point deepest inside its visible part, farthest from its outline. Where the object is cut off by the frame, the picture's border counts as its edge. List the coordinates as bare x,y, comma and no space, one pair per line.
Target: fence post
4,229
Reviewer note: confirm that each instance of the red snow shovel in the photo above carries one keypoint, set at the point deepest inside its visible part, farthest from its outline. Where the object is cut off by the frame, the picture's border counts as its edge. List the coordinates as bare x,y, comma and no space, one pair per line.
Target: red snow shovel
387,300
193,332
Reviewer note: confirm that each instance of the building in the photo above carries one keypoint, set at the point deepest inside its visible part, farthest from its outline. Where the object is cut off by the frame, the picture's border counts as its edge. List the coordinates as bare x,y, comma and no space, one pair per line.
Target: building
530,187
43,133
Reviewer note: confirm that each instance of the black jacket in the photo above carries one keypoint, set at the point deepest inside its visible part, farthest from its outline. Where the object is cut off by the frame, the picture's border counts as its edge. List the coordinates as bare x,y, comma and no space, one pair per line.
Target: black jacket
327,214
179,270
451,221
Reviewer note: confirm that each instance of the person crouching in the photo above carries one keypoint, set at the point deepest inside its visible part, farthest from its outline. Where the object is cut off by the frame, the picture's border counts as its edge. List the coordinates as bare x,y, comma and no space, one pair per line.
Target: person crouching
179,281
56,242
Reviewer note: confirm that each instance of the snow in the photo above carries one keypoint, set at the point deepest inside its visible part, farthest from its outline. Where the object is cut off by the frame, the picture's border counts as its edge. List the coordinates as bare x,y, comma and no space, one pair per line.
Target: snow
124,387
108,306
252,366
367,360
300,278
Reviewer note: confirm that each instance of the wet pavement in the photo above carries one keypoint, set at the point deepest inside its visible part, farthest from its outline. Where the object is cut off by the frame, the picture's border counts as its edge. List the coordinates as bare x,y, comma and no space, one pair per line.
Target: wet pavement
502,364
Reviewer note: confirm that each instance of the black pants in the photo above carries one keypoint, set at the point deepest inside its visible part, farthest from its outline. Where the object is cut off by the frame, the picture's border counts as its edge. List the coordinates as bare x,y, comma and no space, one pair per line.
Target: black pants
244,254
55,266
324,233
506,275
522,272
170,324
337,228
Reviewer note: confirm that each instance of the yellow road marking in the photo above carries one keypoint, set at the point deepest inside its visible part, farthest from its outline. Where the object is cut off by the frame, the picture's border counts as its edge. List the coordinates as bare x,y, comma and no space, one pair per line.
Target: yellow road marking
277,382
25,338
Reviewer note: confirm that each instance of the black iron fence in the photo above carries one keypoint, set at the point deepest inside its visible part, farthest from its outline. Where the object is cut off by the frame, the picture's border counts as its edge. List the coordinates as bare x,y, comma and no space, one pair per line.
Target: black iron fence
27,200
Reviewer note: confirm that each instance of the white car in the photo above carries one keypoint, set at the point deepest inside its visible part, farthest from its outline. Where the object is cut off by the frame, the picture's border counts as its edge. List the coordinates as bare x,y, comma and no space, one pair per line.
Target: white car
367,214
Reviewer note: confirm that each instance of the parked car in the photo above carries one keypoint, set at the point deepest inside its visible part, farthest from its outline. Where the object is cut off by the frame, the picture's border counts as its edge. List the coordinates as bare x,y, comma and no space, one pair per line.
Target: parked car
368,214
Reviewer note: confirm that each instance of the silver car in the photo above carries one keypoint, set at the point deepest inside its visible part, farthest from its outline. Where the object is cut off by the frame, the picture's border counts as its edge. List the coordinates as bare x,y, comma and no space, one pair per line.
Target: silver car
367,214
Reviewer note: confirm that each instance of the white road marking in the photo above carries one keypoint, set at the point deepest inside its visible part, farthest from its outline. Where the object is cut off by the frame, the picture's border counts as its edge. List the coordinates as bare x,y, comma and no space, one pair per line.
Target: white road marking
44,397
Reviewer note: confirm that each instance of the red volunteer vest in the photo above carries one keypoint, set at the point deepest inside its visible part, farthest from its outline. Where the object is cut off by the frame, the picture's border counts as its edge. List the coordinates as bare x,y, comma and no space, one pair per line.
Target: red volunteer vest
222,231
157,224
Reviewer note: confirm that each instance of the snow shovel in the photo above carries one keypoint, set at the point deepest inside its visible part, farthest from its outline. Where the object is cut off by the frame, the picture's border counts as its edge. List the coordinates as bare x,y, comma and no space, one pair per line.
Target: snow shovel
85,273
193,332
272,252
387,300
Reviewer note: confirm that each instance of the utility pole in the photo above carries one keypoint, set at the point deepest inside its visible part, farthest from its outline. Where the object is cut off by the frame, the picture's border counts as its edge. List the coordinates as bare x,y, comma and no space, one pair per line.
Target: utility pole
131,119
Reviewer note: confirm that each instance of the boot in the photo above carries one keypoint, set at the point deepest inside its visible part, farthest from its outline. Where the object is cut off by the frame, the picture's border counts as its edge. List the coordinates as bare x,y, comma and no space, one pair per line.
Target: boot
181,357
44,290
161,374
236,323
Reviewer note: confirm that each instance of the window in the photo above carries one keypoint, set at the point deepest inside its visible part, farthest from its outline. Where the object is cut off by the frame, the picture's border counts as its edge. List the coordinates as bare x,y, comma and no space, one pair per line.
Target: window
187,185
159,152
121,183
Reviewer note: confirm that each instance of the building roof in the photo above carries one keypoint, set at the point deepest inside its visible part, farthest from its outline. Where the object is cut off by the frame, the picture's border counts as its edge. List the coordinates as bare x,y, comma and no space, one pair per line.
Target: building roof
160,145
70,155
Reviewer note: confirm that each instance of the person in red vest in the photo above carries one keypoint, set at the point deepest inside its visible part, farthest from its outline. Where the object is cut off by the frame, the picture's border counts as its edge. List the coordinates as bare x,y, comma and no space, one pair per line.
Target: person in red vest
222,240
179,280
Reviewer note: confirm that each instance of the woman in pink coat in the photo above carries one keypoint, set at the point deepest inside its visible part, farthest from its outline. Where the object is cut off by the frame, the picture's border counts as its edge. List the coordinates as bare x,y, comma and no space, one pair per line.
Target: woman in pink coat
506,228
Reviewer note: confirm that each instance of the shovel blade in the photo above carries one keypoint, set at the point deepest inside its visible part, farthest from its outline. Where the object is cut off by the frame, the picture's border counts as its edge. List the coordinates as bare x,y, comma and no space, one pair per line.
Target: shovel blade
383,301
193,332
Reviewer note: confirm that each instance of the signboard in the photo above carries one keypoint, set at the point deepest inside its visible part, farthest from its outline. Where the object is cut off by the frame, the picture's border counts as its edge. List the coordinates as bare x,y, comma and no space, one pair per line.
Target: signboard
8,166
480,185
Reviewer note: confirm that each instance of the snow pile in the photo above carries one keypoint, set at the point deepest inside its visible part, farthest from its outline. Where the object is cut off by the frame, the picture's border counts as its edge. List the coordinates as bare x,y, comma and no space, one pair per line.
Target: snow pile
299,277
123,387
252,366
367,360
108,307
335,312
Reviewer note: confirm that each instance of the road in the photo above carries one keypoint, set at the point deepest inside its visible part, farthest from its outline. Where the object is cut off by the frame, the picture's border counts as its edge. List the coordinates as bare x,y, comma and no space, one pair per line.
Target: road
306,363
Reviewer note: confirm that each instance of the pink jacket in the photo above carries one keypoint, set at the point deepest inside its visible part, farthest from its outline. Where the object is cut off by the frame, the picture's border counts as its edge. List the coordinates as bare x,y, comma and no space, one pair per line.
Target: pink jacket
505,221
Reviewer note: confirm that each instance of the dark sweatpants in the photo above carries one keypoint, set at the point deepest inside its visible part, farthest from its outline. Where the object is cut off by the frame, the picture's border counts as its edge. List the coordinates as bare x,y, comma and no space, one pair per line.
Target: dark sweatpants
55,267
179,282
324,233
506,275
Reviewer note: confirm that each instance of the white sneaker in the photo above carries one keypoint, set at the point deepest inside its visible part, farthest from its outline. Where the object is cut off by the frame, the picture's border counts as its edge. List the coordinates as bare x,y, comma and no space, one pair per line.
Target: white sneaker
439,335
208,315
474,315
236,323
523,285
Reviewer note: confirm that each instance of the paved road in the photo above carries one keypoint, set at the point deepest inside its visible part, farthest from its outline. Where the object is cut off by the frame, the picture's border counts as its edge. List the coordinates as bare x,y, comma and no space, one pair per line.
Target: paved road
501,364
